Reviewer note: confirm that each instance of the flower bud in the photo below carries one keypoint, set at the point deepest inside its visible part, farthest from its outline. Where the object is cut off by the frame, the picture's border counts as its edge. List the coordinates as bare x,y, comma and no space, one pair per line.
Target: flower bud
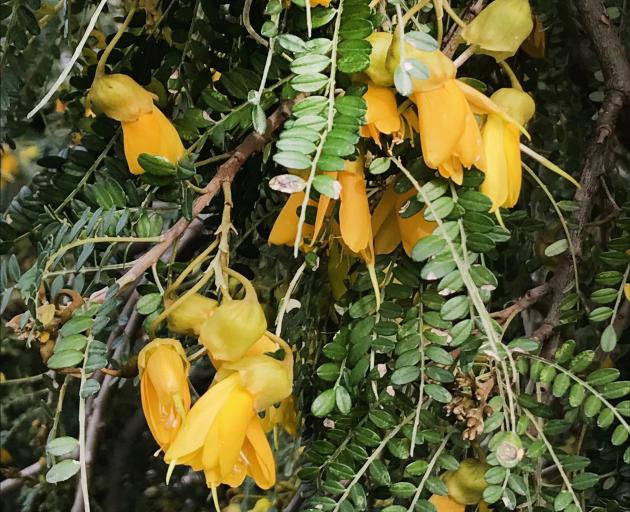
500,28
234,326
119,97
189,316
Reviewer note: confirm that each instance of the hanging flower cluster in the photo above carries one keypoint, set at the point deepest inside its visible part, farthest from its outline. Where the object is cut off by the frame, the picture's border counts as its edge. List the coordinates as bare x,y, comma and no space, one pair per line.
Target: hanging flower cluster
222,434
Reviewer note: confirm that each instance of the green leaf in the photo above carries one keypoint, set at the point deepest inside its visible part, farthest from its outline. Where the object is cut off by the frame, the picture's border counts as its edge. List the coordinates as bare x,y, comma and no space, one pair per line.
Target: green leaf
560,385
402,81
620,435
427,247
65,359
328,372
405,375
525,345
324,403
327,186
439,355
608,341
311,82
474,201
147,304
343,400
495,475
600,314
62,471
582,361
592,406
421,41
576,395
605,418
583,481
76,325
455,308
61,446
604,296
603,376
259,119
90,387
156,165
380,165
438,393
380,473
562,500
439,208
403,489
310,63
292,43
292,160
556,248
617,389
417,468
492,494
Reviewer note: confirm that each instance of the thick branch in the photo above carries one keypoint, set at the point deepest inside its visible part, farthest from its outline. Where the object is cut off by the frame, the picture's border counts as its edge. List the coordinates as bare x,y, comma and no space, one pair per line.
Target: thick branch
616,70
253,143
529,299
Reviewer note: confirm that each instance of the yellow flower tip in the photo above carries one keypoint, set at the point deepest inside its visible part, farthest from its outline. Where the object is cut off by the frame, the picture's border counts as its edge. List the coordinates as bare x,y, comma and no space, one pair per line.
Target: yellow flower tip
169,471
323,3
500,28
234,327
626,291
378,71
151,133
120,97
188,317
215,496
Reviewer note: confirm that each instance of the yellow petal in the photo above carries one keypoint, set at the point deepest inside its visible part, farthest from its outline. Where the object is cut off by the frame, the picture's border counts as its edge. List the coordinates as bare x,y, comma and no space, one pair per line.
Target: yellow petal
322,211
511,142
262,467
354,213
469,148
382,110
500,28
190,314
284,230
442,118
452,169
154,134
626,291
495,184
377,70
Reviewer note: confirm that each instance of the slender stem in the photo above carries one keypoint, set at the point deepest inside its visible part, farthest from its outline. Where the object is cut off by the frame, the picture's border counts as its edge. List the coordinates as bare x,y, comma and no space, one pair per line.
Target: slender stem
427,473
102,61
23,380
82,448
287,297
371,459
620,295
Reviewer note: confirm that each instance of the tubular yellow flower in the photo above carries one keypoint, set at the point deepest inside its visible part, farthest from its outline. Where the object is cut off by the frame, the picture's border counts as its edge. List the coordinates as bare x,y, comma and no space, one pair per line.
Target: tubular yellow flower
284,229
467,483
323,3
382,113
145,128
500,28
446,504
501,141
234,326
354,213
188,317
223,436
164,389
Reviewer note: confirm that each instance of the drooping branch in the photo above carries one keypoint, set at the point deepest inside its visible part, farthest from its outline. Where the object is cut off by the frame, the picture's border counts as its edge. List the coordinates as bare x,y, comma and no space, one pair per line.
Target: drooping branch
452,41
616,70
253,143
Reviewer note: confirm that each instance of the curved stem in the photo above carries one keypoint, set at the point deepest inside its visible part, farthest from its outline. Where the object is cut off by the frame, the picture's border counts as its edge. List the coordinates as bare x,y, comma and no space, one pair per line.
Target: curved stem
102,61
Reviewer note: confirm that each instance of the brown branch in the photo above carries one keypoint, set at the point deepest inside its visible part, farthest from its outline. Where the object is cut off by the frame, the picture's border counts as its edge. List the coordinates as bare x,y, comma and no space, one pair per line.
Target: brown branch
616,70
10,484
253,143
451,41
529,299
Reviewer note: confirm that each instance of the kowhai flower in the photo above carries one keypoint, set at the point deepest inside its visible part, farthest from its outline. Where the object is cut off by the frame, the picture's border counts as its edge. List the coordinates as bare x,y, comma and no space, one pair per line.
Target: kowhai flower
382,113
164,389
145,128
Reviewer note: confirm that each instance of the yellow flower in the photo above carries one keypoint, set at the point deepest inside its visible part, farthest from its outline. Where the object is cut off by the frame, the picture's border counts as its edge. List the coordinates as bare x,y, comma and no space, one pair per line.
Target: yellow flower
223,436
188,317
323,3
354,213
390,228
234,326
284,415
382,113
501,141
500,28
145,128
164,388
465,487
262,505
9,167
626,291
